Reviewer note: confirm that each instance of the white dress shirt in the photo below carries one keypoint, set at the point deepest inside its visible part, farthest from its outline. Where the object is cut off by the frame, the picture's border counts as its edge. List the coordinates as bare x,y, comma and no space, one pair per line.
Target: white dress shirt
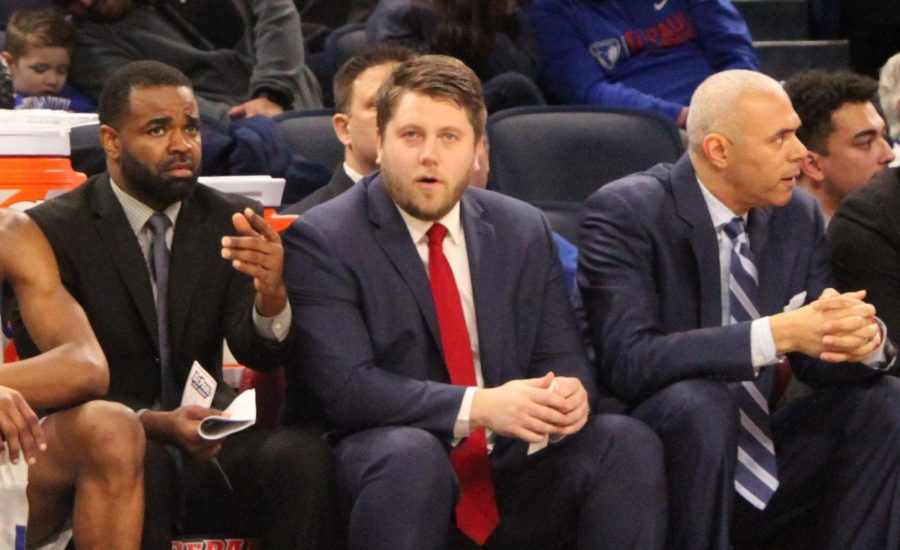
455,252
352,174
762,343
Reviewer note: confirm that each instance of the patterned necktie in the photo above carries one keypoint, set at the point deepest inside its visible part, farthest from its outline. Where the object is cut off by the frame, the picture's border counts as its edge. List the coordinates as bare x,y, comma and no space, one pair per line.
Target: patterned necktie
159,223
756,472
476,512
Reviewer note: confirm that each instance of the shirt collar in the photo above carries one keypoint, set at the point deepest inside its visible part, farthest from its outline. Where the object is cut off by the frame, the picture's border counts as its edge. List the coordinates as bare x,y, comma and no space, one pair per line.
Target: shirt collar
137,212
418,228
719,213
352,174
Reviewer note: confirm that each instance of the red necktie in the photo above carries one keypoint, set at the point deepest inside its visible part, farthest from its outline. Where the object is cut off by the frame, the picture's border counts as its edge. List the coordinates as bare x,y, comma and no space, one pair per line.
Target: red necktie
476,512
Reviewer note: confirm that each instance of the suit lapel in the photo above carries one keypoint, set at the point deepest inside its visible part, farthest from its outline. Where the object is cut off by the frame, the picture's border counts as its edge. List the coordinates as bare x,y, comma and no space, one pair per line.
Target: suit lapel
485,267
773,267
393,237
340,182
124,251
195,243
702,236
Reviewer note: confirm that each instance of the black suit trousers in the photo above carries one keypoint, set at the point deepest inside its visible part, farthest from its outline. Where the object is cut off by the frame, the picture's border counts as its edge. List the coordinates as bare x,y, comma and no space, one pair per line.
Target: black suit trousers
282,483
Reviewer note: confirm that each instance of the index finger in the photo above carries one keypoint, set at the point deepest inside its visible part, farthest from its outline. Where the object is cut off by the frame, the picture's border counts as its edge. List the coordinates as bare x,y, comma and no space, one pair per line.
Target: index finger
861,310
260,224
576,400
841,301
32,438
548,399
567,386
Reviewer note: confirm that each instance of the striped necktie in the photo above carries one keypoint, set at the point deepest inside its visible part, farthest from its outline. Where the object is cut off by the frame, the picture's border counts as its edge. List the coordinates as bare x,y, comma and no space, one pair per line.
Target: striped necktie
756,472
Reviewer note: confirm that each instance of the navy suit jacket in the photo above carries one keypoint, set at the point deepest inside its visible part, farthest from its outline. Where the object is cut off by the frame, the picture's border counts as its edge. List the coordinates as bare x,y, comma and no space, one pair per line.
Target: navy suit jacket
368,345
649,276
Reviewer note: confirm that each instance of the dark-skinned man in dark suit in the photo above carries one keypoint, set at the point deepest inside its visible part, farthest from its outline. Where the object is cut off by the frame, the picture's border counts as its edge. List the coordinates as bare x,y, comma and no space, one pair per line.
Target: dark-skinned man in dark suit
112,237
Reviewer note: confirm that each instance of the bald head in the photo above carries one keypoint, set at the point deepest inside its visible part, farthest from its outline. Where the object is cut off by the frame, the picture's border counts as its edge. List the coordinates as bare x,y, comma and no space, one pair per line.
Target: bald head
743,140
716,104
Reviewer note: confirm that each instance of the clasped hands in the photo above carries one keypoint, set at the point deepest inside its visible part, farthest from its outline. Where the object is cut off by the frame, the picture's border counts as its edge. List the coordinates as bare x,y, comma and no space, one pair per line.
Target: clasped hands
257,252
835,327
530,409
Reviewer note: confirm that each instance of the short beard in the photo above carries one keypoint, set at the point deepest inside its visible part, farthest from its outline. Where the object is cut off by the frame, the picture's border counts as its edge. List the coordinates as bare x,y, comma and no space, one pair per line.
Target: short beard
152,186
403,195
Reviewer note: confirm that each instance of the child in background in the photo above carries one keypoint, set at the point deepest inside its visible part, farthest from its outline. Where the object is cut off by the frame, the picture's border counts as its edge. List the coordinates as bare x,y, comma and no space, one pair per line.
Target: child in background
39,42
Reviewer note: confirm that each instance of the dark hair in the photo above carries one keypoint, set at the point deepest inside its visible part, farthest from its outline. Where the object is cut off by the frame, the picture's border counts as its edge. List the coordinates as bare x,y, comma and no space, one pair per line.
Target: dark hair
467,28
817,94
139,74
358,64
436,76
44,27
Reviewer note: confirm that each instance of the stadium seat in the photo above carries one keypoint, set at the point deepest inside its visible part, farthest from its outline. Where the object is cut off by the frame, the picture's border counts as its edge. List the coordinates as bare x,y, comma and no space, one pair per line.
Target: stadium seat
775,19
87,153
565,152
564,217
344,42
310,134
781,59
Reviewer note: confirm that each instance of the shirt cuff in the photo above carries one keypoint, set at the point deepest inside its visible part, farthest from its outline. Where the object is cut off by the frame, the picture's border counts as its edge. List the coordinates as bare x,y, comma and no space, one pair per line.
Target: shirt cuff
877,358
273,328
461,427
762,345
281,99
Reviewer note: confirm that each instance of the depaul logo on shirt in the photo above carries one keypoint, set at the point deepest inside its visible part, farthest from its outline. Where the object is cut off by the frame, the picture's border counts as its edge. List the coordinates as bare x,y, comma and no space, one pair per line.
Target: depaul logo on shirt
675,30
607,52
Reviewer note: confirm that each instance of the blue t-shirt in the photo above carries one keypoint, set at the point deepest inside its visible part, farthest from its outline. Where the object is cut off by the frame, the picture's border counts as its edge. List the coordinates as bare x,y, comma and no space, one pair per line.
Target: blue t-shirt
69,99
637,53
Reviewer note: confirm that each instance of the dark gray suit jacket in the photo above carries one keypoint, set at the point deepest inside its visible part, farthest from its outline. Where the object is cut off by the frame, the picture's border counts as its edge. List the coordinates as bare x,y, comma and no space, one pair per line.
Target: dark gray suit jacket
102,266
339,183
865,245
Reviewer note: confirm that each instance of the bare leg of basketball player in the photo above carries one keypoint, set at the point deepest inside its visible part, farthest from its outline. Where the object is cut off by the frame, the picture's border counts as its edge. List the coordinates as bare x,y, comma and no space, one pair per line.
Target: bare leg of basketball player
93,470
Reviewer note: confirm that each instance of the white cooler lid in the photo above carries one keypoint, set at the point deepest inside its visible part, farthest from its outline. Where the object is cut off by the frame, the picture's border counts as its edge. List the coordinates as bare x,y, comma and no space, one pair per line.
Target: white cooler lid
39,132
264,188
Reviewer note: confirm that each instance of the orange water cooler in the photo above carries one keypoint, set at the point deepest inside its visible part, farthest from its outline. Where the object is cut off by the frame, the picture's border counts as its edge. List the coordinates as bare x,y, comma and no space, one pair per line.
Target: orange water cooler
35,165
26,181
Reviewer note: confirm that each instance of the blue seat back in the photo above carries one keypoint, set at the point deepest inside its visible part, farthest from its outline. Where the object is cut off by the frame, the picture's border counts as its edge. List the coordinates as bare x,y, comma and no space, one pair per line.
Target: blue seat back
566,152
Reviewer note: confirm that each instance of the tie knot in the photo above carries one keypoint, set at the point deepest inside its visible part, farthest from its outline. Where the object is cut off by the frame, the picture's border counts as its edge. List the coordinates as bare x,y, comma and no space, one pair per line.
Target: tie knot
436,234
159,223
734,228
